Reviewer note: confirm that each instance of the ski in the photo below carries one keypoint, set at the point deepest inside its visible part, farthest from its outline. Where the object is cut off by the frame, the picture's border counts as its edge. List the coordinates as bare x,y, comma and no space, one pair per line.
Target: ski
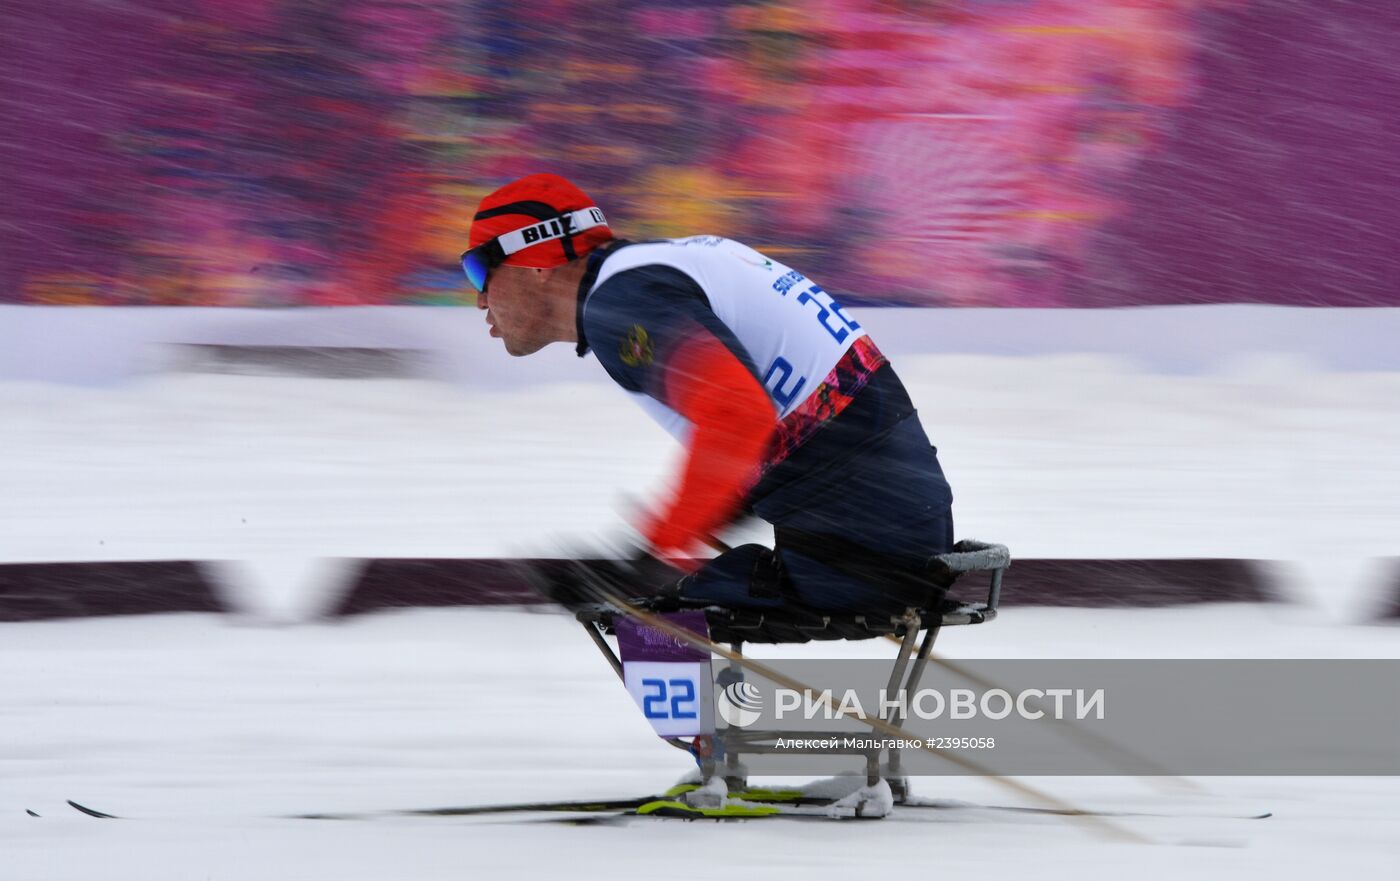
771,803
598,809
761,804
90,812
729,813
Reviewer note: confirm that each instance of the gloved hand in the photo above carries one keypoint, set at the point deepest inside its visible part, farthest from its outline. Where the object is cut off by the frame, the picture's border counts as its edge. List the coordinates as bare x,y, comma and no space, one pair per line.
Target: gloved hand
625,570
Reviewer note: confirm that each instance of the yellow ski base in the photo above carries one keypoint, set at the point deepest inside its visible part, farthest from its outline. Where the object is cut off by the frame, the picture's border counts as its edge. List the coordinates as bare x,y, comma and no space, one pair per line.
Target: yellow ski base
672,808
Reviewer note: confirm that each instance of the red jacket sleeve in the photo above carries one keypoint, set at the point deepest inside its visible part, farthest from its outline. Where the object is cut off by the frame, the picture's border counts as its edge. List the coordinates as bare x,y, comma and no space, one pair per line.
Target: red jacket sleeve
733,423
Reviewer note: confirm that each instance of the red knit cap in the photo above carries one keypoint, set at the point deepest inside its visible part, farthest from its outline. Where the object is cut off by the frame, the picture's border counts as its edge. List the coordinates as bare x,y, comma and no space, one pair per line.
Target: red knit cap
531,200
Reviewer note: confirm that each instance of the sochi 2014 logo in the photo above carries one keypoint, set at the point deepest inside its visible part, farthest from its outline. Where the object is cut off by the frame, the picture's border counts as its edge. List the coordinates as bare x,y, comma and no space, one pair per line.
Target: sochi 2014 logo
739,704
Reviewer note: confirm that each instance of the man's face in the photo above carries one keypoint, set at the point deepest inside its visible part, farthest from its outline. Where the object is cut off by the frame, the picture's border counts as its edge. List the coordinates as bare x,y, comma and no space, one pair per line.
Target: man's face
516,309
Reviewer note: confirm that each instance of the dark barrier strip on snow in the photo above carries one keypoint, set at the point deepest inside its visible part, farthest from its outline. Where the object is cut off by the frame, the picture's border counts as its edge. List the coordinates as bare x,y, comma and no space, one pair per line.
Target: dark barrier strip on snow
35,591
1135,583
403,583
1079,583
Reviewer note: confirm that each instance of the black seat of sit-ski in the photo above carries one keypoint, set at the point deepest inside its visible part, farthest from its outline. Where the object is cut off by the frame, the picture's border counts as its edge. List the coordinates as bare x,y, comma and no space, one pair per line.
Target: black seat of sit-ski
796,624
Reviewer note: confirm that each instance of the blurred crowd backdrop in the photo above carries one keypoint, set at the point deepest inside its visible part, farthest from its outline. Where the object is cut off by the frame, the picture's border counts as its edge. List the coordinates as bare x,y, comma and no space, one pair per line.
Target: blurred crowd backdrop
930,152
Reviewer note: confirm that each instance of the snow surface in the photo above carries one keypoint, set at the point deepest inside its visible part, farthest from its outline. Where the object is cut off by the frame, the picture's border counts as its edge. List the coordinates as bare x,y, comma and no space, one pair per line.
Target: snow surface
206,731
206,728
1057,456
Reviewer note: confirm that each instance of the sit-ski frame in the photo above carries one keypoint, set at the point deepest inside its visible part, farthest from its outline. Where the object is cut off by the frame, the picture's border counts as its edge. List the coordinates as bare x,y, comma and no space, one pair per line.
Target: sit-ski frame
908,670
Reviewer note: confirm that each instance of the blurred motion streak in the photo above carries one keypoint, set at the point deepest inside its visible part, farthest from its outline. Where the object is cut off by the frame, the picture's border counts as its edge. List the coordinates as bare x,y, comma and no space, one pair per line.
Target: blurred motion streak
954,153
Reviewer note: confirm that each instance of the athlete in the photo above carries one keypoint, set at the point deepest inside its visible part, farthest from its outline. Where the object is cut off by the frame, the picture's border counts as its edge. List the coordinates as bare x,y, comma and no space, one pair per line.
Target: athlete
788,409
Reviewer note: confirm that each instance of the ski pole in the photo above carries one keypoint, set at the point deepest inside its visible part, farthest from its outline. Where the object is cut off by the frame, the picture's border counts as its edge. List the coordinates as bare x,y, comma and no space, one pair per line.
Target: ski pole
1173,783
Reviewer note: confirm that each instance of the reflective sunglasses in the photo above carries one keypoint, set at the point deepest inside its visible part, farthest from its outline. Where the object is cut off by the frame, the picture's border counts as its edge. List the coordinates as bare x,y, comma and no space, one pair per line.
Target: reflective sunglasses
479,261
